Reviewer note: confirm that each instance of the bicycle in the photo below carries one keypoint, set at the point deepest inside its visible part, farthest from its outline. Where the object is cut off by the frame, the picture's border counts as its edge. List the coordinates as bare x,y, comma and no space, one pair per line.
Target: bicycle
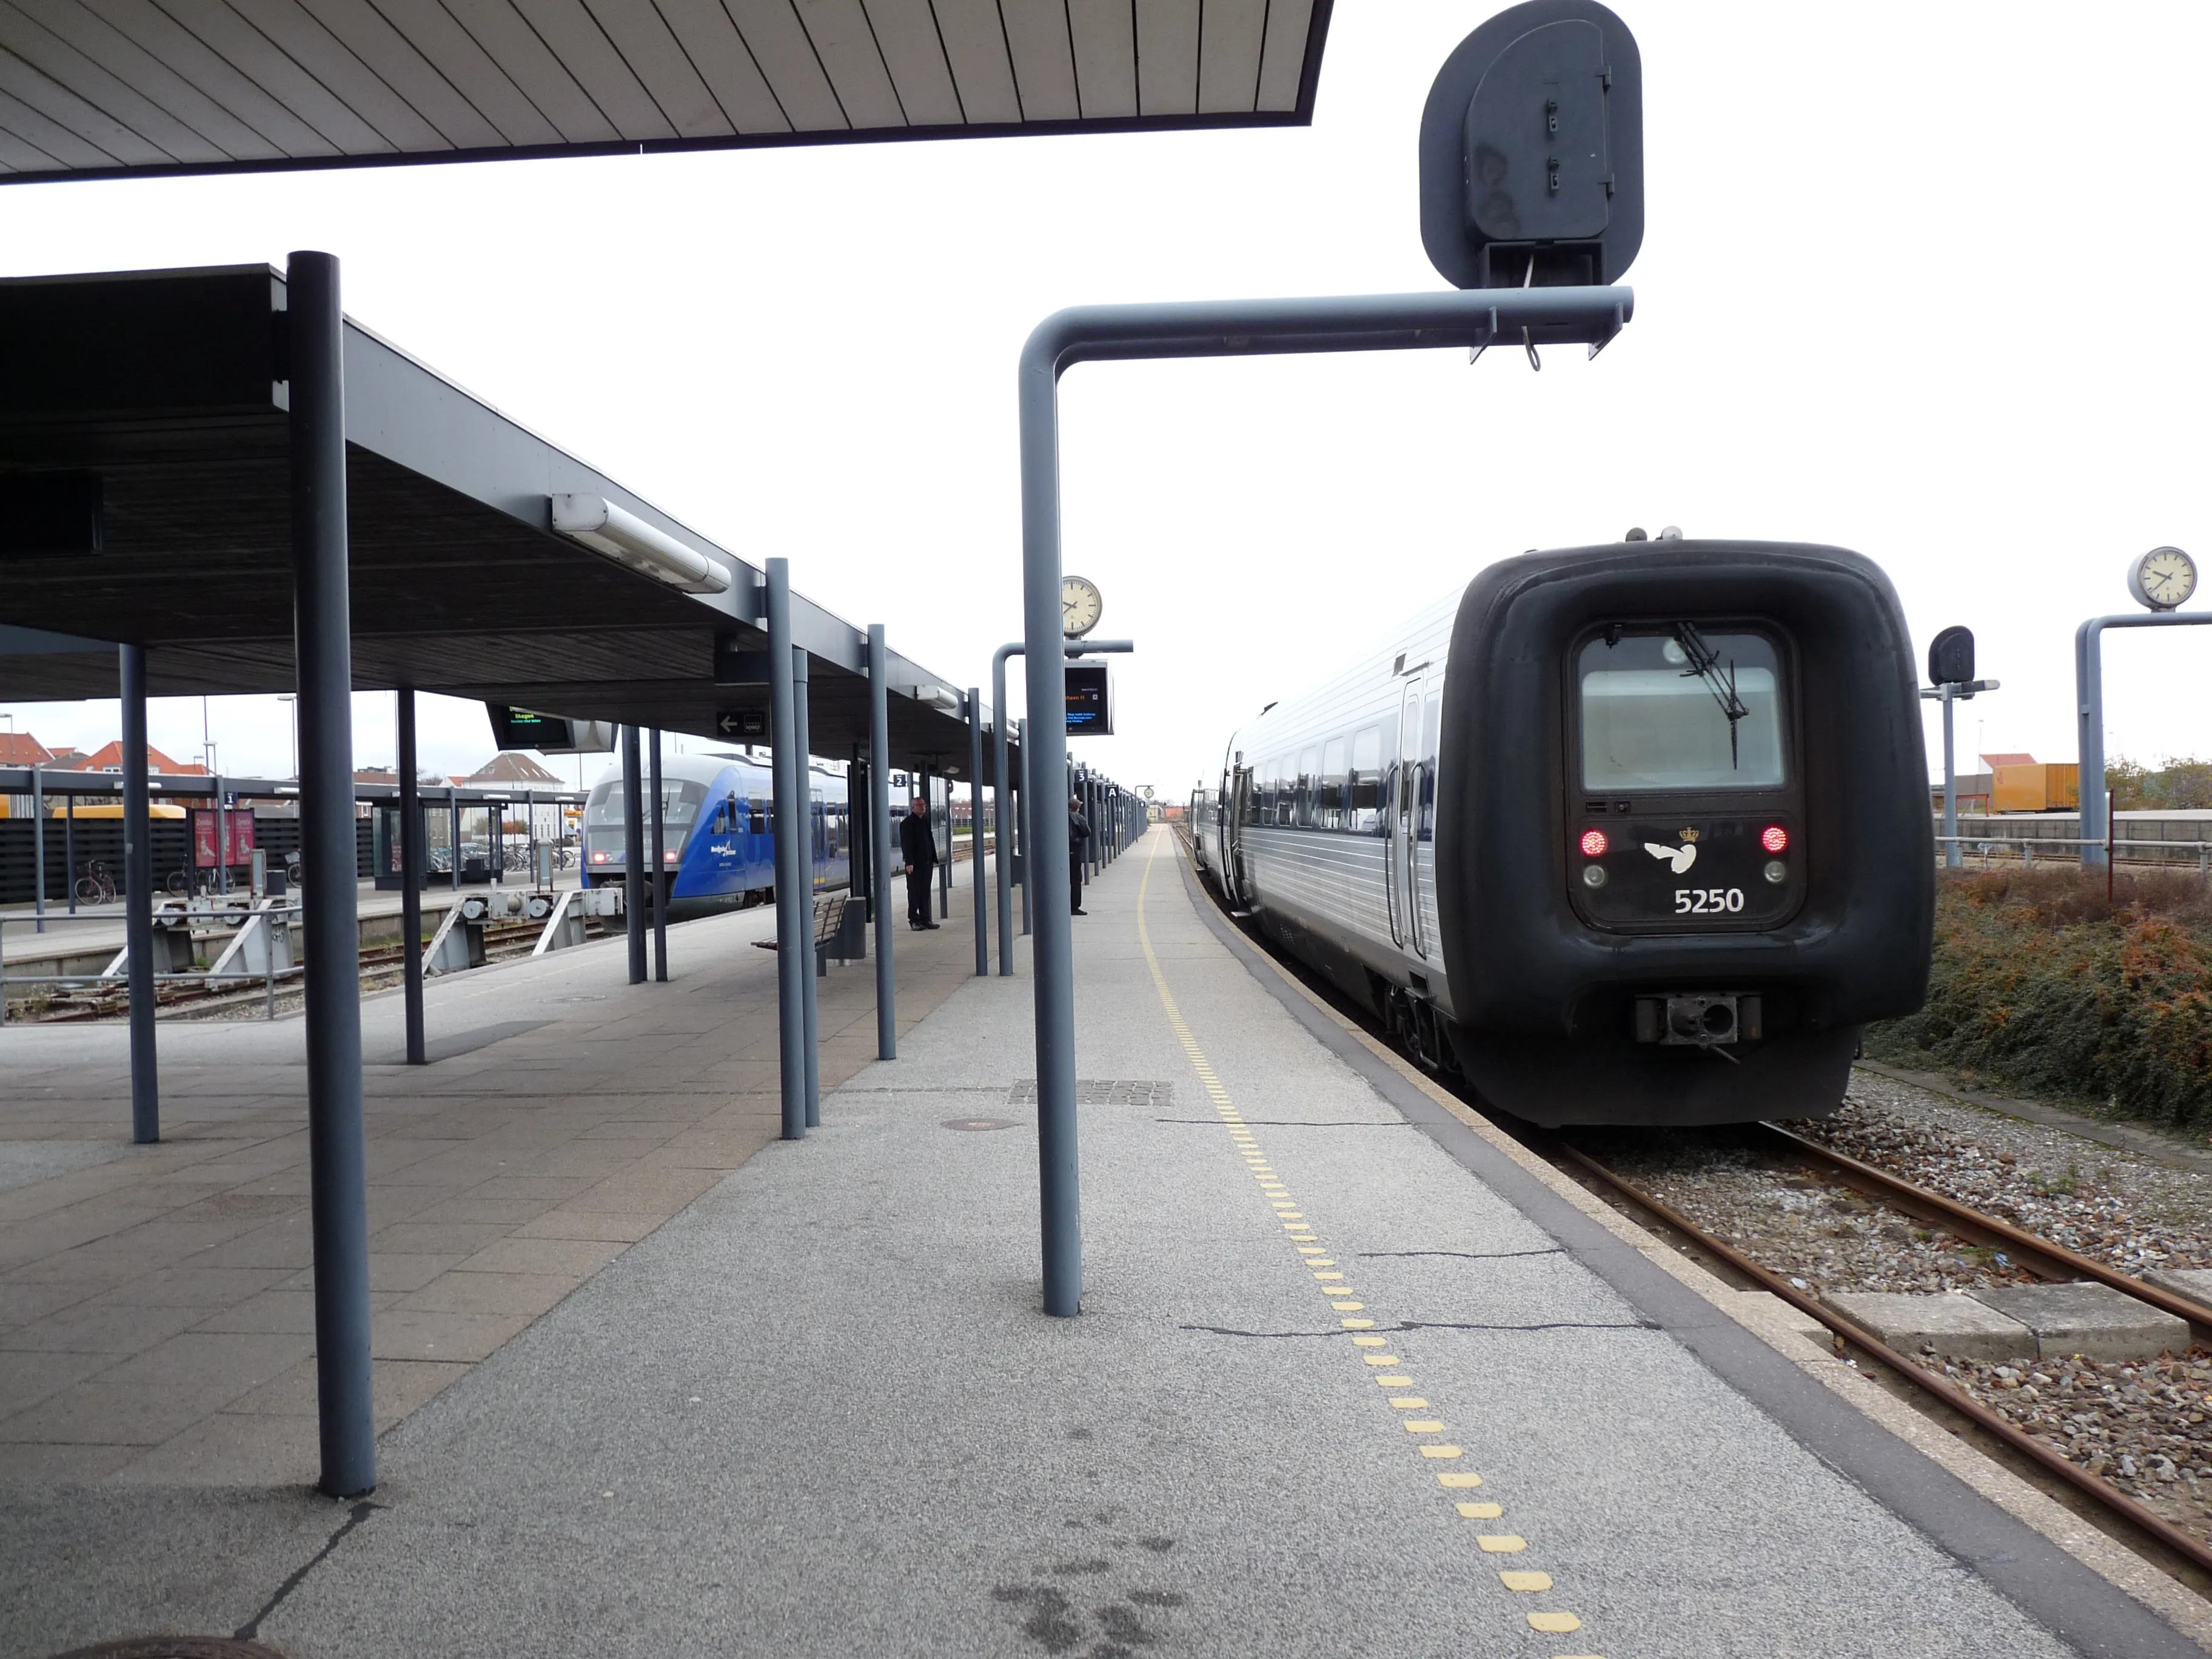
95,885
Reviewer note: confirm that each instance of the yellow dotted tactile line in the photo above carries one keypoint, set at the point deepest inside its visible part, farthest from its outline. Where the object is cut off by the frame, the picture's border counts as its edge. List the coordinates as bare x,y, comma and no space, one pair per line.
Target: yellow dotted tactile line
1329,1280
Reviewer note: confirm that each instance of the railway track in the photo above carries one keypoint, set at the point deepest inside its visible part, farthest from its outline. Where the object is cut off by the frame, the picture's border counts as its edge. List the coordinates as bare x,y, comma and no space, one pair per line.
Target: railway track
380,967
2133,1523
2148,1533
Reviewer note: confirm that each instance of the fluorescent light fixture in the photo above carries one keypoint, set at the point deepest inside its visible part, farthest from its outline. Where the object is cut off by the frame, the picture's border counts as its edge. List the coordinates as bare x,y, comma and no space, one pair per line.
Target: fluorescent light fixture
628,540
942,698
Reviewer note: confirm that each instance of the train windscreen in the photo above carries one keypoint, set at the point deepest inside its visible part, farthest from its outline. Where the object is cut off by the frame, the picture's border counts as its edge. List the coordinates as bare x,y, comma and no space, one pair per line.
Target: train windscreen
603,818
1681,709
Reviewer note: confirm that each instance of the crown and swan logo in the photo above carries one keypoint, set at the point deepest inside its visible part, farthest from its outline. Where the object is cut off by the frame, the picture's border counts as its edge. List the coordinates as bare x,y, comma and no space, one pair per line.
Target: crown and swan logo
1677,858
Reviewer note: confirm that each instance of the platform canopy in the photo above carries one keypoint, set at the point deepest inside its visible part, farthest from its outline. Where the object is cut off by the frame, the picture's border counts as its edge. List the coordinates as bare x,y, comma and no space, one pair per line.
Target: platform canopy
94,87
161,397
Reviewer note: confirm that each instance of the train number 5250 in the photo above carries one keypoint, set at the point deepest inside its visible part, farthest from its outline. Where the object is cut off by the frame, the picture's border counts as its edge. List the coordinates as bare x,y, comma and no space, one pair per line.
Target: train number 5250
1707,901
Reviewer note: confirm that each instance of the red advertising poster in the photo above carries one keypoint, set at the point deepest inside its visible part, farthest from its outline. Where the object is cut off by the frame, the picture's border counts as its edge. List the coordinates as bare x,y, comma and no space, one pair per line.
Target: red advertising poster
240,832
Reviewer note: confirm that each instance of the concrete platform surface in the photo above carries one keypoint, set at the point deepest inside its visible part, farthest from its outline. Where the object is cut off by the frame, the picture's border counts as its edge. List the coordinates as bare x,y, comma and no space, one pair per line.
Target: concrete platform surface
1331,1394
156,1314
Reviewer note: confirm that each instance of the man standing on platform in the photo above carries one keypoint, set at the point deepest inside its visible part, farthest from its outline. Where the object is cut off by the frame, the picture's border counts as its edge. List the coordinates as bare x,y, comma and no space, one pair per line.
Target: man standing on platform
918,849
1078,831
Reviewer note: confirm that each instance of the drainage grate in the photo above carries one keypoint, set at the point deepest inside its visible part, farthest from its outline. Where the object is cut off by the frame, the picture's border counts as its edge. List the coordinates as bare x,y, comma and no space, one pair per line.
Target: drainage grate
979,1123
1101,1092
174,1647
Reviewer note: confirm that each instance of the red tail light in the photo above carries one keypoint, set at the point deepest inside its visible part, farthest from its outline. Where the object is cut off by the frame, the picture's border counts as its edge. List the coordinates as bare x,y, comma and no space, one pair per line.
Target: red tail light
1774,838
1594,842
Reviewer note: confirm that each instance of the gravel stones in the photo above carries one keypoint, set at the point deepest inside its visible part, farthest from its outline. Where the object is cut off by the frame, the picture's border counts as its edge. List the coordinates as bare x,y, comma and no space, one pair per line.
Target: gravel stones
2127,1211
2146,1428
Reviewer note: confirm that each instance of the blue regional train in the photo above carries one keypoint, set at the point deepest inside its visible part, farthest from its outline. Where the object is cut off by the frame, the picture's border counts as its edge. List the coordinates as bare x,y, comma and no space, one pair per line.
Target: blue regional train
717,831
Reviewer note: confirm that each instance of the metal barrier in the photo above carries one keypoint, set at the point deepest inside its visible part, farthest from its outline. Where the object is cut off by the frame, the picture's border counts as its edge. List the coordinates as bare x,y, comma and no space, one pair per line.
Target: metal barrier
256,935
2028,844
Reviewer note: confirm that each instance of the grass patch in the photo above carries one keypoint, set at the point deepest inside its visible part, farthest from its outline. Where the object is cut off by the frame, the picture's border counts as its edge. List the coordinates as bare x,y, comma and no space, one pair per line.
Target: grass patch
2043,985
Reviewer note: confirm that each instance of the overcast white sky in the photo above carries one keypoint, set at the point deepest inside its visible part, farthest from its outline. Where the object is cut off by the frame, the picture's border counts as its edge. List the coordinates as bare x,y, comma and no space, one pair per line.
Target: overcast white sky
1921,279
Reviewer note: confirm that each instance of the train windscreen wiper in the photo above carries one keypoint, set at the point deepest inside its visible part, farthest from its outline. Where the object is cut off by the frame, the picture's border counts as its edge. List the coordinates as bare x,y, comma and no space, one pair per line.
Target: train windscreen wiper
1705,665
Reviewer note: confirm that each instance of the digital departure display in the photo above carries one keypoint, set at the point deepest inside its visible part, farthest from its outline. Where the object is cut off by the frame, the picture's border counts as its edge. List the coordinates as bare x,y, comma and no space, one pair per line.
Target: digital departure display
525,728
1090,701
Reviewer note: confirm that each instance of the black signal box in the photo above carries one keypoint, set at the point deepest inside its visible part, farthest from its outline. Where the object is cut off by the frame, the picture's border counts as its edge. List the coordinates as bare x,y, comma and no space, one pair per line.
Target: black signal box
1951,657
1532,151
1090,701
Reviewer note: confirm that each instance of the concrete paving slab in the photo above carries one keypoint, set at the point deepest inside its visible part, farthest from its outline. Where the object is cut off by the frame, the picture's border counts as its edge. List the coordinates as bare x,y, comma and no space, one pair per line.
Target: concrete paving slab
2194,1283
1951,1323
2088,1319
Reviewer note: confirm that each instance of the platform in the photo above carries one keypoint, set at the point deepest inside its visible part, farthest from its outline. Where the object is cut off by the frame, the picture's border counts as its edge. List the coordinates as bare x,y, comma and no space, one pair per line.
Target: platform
1348,1379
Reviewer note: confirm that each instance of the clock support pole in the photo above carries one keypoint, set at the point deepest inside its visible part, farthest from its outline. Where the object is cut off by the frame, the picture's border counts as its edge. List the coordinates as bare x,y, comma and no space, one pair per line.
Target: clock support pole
1468,320
2089,703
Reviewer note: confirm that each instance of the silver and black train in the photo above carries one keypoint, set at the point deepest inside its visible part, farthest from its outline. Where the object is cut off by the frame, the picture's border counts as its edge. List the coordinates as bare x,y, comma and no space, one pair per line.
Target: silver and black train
1628,834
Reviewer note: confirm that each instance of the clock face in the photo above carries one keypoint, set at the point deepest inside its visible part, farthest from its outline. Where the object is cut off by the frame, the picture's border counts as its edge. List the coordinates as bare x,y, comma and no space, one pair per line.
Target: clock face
2163,578
1080,606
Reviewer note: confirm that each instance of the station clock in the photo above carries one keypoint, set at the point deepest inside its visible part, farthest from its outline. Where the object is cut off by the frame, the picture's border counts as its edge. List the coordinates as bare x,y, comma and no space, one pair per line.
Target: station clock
2163,579
1080,606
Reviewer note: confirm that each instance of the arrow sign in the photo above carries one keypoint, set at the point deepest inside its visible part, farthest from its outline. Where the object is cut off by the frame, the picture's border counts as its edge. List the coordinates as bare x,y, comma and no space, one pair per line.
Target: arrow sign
742,722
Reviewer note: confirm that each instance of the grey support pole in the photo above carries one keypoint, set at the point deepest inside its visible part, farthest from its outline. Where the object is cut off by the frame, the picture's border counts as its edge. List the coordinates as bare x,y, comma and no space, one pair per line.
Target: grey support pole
329,909
1002,818
139,899
453,837
793,907
38,852
1026,825
975,829
411,853
68,847
944,870
1472,317
2089,698
880,812
633,854
661,883
1952,856
803,746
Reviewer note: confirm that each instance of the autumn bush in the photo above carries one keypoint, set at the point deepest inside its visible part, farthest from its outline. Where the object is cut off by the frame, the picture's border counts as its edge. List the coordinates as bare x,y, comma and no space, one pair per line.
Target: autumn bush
2043,984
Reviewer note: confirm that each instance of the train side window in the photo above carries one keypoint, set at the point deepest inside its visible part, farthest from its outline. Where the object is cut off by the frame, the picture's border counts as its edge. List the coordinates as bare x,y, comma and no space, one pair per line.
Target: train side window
1286,792
1364,788
1333,784
760,810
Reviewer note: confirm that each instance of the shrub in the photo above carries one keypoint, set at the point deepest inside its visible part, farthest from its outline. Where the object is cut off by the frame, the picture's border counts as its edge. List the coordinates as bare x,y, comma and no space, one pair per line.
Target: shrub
2042,983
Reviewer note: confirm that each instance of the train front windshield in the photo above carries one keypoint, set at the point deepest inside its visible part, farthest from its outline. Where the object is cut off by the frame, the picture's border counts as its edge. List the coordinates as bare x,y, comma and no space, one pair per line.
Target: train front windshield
1681,709
603,819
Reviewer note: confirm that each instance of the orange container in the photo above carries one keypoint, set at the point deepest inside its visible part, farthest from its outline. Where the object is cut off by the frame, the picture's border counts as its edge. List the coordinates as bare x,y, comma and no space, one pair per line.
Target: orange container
2037,786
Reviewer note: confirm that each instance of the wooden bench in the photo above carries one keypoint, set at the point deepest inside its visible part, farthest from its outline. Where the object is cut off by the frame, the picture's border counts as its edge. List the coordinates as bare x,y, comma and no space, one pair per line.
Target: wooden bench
828,923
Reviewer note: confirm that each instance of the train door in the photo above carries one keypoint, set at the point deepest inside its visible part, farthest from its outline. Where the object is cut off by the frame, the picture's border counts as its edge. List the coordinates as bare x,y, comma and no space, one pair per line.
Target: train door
1232,812
1420,846
1399,844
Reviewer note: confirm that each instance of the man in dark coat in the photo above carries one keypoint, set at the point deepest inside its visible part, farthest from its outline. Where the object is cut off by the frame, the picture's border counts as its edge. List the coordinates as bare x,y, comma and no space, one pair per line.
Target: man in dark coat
1078,831
918,850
